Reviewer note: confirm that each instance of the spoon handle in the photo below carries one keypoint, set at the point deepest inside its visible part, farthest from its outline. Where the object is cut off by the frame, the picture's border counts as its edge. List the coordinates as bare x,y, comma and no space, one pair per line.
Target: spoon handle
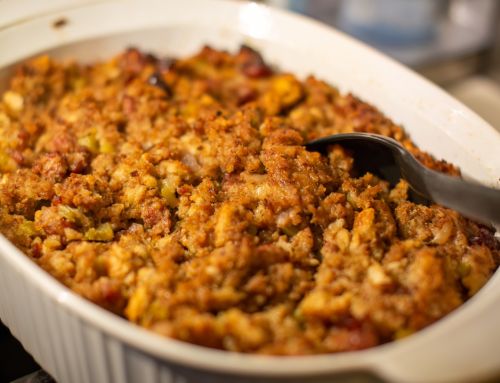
469,199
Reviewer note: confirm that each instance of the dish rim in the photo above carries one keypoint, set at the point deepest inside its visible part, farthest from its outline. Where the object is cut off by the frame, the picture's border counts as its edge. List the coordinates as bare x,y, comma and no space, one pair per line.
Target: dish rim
235,363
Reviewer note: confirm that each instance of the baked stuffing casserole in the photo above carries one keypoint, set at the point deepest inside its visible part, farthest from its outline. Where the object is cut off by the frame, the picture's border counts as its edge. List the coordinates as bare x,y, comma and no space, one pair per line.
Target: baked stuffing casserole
177,194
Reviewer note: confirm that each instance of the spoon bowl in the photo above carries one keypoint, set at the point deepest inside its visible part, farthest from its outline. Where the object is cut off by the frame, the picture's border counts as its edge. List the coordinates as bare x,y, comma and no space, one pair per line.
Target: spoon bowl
388,159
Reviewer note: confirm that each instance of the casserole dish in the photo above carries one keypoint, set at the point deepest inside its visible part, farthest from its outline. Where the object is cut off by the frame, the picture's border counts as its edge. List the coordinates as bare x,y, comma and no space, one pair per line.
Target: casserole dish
76,341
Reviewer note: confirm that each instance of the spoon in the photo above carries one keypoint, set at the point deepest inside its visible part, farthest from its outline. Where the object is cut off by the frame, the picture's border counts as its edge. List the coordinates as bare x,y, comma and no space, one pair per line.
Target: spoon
385,157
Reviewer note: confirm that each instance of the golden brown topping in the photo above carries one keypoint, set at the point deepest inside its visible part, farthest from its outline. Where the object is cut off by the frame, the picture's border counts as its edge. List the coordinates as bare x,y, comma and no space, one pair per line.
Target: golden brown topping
193,209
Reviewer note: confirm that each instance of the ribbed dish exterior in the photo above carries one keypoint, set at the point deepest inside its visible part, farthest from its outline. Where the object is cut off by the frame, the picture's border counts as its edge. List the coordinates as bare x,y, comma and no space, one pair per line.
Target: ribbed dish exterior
68,348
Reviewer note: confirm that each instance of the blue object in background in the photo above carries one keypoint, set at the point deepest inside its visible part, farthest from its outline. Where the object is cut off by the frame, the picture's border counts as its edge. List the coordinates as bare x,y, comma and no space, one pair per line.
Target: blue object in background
390,22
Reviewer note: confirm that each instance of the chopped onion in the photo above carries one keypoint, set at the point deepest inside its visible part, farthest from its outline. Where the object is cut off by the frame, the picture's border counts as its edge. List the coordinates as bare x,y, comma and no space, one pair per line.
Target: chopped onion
258,177
190,161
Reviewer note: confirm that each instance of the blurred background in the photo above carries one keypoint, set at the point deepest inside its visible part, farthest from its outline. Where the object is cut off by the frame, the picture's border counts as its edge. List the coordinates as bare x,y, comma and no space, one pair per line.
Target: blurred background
454,43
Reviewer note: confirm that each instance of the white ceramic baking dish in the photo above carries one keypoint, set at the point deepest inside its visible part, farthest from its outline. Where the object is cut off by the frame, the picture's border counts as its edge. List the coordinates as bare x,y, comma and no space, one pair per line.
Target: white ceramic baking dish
76,341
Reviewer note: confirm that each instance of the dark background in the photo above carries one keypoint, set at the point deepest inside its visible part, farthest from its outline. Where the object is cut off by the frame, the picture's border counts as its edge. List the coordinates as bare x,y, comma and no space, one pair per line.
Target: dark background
15,362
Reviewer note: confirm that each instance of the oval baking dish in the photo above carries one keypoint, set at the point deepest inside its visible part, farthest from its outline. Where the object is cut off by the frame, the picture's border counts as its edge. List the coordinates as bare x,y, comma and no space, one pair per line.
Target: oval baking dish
76,341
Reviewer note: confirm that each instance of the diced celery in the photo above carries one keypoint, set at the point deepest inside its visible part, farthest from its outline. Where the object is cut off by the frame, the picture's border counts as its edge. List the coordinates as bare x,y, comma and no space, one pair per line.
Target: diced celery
103,233
177,225
291,230
157,311
352,199
298,314
168,192
463,269
107,148
27,228
70,213
78,83
254,122
403,333
90,142
4,159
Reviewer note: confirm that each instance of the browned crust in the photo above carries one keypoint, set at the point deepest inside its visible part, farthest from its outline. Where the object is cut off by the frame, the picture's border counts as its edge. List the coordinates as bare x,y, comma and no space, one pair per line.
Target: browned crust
193,210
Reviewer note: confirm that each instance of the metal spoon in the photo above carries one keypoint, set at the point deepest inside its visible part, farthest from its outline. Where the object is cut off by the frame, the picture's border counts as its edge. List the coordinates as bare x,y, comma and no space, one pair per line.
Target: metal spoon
385,157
